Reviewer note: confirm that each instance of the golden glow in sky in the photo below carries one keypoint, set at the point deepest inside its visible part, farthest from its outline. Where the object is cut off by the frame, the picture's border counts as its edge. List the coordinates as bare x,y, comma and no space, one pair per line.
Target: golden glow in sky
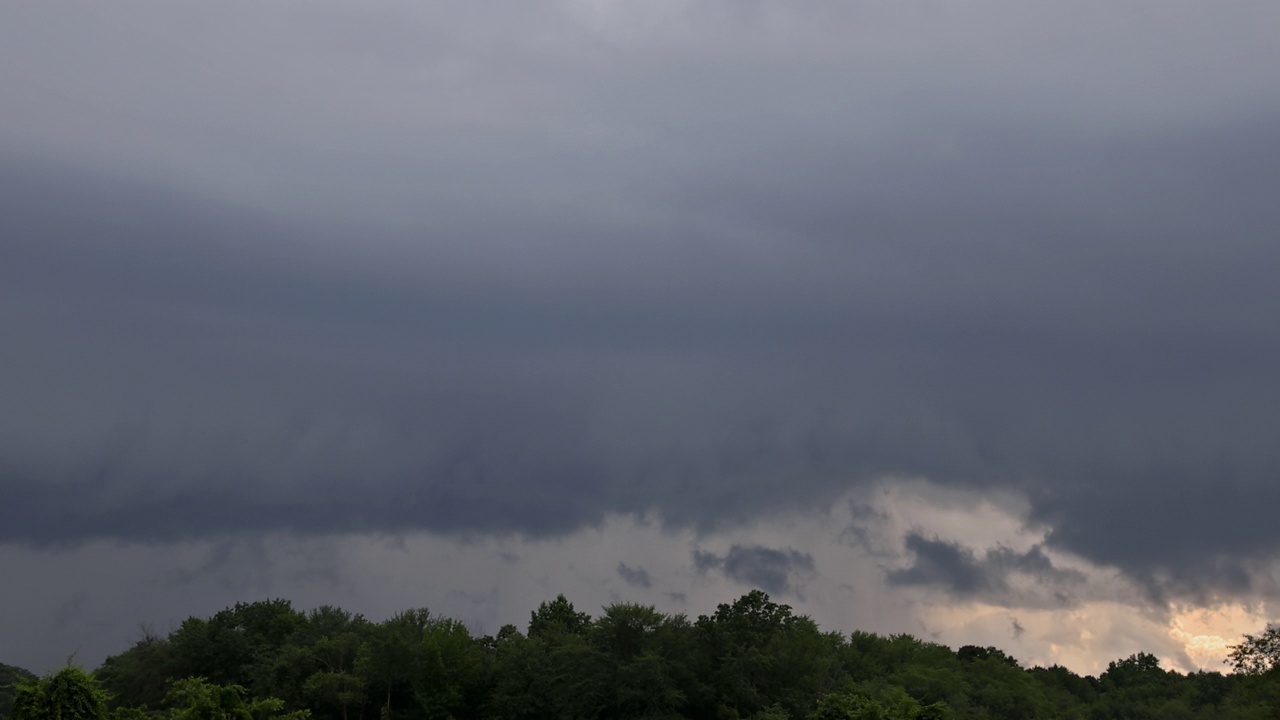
1207,633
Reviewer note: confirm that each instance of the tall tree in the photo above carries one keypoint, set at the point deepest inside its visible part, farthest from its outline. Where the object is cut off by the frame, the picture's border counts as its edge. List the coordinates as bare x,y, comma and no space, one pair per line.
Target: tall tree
447,670
387,661
756,653
644,657
557,618
229,647
139,676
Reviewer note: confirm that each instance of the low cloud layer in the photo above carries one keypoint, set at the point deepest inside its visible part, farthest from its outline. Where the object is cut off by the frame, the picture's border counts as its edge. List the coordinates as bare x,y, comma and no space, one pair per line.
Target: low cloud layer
166,390
97,598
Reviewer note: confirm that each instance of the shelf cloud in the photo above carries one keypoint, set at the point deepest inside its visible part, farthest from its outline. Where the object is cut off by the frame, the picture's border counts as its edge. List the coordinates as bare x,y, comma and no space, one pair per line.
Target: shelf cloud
512,270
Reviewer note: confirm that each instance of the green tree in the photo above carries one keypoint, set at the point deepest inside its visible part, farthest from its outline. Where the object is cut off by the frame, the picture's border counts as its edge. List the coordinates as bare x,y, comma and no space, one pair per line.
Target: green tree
570,672
893,703
514,661
139,676
447,670
1257,654
557,618
1256,660
757,653
316,666
847,706
1142,669
10,676
1066,693
1136,687
641,649
195,698
387,662
970,653
1209,689
558,670
231,647
69,694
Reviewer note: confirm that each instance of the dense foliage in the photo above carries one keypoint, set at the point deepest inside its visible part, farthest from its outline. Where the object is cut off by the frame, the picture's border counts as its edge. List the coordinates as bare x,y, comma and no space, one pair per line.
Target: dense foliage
752,658
10,676
69,694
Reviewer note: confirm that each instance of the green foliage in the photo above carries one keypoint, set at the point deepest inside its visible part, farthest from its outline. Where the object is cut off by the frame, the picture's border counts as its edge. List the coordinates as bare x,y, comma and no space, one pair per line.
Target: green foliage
386,662
973,653
69,694
130,713
848,706
197,699
556,619
1208,689
1137,687
1257,658
139,676
773,712
1138,670
1257,654
756,654
230,647
892,704
643,652
553,674
752,658
1063,685
10,676
315,667
447,663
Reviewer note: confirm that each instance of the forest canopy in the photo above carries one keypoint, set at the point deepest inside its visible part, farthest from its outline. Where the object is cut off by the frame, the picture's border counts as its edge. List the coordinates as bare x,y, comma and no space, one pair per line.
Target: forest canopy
752,658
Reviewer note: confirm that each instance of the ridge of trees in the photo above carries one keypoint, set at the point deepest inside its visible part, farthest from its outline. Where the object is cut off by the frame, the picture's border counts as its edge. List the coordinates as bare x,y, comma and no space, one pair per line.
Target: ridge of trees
752,658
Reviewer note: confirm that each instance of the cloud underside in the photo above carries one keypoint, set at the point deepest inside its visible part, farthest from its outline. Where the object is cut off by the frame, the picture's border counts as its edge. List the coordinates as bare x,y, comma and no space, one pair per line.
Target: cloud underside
842,587
583,280
958,571
634,576
774,570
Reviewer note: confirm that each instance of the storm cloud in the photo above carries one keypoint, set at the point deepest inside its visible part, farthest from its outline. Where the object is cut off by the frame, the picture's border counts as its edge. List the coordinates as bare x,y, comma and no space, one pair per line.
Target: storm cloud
778,571
634,576
959,571
512,269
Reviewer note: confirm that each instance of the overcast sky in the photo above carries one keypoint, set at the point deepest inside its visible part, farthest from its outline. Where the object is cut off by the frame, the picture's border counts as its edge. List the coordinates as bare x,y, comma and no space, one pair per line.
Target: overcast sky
955,319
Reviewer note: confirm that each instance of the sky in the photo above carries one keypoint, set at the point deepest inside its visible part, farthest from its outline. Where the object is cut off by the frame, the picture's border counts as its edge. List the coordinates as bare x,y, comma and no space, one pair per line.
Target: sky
952,319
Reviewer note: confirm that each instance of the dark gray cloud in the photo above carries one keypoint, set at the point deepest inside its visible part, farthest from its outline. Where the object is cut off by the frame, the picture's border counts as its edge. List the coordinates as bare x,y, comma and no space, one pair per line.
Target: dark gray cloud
959,571
635,576
510,270
947,565
776,571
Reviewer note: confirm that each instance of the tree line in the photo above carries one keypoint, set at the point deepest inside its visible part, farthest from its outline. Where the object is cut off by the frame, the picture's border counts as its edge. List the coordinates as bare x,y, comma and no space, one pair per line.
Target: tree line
750,659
